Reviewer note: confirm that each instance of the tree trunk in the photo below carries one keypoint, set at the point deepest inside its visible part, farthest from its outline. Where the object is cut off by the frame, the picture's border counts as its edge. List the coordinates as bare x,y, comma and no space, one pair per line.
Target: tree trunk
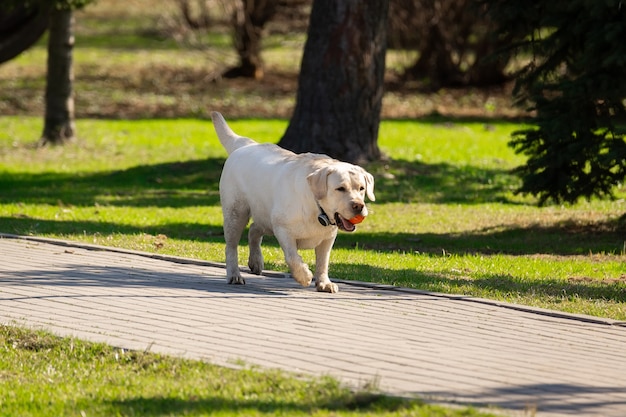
455,43
20,28
490,66
200,21
59,117
340,87
435,62
249,19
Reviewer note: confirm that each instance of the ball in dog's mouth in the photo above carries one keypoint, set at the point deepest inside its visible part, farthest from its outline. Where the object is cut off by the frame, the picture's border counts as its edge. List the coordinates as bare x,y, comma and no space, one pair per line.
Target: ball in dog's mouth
344,224
357,219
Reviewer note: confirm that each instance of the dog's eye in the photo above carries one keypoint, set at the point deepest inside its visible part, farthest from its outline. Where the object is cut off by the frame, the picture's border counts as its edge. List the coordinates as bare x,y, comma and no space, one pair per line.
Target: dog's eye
341,189
362,188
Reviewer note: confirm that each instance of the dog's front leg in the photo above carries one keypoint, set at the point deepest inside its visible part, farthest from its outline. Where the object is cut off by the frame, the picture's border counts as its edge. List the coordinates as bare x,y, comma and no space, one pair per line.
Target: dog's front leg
322,257
299,270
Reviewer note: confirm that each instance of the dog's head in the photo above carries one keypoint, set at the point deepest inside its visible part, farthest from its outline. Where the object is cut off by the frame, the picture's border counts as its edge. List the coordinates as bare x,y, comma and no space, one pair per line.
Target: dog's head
340,188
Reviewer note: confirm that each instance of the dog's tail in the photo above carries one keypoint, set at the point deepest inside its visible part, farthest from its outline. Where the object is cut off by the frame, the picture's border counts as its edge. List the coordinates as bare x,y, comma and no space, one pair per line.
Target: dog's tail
229,139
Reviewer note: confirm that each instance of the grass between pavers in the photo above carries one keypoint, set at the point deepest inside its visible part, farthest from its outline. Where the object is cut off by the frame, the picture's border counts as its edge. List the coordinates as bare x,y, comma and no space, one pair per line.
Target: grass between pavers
446,218
45,375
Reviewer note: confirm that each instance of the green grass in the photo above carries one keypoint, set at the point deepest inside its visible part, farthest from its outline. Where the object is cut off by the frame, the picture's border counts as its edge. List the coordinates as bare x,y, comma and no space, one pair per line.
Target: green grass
446,218
44,375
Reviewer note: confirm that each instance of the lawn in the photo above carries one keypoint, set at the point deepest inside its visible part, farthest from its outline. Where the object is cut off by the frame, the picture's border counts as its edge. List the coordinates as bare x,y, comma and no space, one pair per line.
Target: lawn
144,175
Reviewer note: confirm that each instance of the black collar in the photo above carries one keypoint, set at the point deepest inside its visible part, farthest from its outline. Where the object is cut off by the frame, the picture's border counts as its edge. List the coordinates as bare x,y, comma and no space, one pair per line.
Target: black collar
323,217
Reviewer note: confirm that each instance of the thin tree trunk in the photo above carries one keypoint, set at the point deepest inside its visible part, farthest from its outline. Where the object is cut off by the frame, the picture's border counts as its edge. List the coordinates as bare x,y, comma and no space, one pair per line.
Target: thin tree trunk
59,126
248,21
340,87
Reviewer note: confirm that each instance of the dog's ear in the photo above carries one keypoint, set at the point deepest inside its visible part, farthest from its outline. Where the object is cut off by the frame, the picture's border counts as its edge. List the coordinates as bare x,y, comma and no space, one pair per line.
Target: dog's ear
318,181
369,185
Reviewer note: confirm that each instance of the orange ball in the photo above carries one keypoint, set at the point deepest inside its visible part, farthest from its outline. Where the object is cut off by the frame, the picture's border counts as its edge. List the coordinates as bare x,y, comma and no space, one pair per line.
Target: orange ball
357,219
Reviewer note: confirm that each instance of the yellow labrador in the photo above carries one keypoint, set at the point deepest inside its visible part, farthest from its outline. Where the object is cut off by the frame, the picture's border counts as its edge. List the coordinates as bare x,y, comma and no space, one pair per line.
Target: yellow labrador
301,199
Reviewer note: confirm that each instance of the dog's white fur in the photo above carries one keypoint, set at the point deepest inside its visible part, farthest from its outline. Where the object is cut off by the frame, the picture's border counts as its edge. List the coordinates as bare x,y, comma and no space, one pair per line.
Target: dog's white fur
284,193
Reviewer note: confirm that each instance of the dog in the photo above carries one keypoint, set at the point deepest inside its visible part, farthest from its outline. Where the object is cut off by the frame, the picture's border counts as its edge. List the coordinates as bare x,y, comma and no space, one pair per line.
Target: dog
301,199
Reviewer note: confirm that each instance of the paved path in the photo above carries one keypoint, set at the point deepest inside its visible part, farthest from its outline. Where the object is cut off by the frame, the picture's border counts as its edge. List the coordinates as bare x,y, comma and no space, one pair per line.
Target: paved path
442,348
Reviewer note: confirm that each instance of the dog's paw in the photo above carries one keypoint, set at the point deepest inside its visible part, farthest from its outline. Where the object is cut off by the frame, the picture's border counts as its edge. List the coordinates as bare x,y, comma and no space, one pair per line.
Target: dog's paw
256,265
327,286
237,280
303,275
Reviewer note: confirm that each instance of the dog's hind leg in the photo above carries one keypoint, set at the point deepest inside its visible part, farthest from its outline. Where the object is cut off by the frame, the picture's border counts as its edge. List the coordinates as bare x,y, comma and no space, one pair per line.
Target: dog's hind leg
236,218
255,260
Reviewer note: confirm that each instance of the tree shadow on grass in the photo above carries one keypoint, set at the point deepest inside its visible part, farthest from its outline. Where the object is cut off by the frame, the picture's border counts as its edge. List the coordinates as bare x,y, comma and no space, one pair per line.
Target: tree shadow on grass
411,181
196,182
338,400
566,238
459,282
172,184
175,230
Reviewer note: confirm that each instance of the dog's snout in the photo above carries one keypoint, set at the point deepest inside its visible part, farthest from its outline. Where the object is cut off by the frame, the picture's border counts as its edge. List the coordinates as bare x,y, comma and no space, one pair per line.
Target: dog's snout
357,207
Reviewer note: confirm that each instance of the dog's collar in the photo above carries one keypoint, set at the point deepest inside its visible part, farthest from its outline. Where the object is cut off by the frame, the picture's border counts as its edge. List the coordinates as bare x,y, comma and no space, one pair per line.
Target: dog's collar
323,217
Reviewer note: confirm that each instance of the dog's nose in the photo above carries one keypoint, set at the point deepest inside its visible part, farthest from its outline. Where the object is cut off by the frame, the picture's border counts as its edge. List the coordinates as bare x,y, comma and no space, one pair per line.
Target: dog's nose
357,207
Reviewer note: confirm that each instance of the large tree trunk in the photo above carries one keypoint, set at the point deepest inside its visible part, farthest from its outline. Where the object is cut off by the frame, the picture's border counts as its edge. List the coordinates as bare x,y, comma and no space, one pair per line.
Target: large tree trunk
20,28
340,87
59,124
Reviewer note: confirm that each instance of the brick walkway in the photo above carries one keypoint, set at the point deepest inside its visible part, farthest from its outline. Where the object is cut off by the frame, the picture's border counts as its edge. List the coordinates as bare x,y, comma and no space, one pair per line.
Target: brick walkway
449,349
